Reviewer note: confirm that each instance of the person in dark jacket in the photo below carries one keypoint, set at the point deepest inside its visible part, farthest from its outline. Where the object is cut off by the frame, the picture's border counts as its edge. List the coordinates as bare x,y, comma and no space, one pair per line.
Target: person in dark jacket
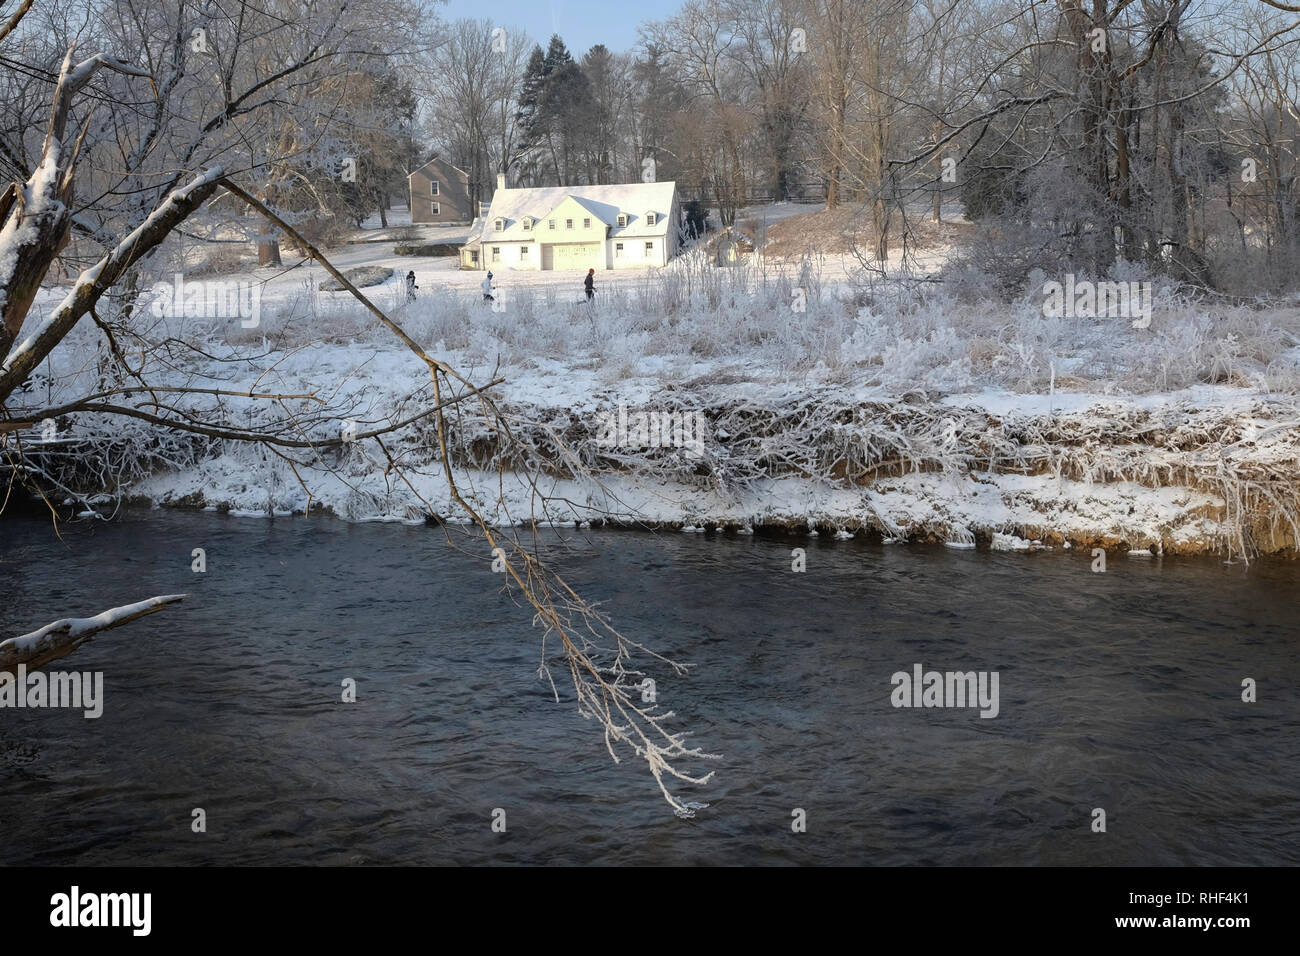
589,283
410,284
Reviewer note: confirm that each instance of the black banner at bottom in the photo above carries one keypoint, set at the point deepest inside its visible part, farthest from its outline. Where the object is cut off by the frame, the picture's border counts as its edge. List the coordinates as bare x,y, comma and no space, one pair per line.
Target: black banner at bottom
333,906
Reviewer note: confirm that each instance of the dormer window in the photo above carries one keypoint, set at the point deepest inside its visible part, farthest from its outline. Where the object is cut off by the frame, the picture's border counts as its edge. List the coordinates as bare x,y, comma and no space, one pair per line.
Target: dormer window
500,225
622,219
650,219
528,224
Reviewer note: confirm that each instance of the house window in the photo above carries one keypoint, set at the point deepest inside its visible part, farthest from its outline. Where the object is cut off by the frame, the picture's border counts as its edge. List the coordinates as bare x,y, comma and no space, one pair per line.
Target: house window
433,188
650,218
568,224
496,253
552,223
435,208
649,248
622,219
501,225
528,225
473,257
618,250
586,224
523,253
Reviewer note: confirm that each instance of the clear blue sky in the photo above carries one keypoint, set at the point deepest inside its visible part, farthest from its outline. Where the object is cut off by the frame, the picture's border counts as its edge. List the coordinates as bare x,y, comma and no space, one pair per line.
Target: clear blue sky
581,23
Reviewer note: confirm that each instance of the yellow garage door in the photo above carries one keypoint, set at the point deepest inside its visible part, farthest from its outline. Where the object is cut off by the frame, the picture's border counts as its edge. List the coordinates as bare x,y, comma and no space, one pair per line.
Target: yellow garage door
572,255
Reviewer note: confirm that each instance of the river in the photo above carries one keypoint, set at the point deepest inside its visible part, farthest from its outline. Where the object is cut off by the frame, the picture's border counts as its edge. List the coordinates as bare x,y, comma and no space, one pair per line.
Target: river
1119,691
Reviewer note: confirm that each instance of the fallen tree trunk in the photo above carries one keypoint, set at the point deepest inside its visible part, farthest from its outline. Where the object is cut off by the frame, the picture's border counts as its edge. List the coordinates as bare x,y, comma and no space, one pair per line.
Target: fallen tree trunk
62,637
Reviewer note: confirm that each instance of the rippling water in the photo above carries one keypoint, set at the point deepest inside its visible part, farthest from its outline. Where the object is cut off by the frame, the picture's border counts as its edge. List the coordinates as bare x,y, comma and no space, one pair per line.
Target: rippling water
1119,691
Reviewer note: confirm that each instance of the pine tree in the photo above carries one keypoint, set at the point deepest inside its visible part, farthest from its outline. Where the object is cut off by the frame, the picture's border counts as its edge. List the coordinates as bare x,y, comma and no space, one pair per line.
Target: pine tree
534,79
528,116
557,55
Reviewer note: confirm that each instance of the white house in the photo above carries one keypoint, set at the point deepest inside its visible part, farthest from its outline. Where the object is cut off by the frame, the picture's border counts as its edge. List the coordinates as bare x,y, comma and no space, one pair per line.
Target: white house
623,226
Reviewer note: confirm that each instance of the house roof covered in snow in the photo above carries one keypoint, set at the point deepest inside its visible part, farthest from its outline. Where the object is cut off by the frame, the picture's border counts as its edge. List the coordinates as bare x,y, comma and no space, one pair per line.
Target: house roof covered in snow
601,210
475,232
635,200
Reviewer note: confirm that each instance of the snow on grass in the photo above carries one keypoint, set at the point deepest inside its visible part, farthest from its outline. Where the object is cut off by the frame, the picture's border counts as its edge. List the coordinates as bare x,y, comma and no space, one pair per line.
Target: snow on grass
875,407
942,489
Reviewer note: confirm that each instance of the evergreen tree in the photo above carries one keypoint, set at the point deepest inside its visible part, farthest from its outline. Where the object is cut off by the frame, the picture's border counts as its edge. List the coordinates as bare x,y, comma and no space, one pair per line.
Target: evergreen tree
534,79
557,55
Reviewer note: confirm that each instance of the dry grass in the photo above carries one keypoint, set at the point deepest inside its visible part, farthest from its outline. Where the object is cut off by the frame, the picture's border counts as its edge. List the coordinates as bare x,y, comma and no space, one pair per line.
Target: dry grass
840,230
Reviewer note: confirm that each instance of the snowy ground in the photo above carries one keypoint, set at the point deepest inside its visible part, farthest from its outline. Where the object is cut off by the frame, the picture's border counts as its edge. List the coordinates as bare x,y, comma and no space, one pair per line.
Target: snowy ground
898,408
1052,476
399,229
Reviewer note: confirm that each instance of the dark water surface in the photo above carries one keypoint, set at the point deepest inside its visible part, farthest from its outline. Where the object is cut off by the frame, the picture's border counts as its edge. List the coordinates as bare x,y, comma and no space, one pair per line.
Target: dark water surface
1117,690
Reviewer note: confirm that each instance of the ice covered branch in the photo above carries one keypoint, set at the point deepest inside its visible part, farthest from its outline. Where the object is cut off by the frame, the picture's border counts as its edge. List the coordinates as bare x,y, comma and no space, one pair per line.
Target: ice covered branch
198,427
95,281
9,27
35,218
62,637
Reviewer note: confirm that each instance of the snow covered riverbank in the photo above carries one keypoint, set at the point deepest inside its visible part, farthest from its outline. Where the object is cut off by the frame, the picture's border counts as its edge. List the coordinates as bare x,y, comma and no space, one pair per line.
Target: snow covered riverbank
1206,469
936,419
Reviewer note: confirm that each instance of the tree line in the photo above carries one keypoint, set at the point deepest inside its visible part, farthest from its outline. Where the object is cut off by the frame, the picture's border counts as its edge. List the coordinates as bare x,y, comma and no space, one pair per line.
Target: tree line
1090,132
1159,132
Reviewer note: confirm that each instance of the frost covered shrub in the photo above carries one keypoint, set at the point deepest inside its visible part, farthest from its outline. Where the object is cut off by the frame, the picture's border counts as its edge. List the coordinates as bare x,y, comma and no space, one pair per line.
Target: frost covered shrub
362,277
1050,222
1246,265
220,260
448,322
997,261
691,323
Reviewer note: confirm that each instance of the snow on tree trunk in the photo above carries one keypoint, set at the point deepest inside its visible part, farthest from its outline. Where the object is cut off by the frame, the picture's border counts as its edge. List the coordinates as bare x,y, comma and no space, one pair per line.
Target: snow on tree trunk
35,218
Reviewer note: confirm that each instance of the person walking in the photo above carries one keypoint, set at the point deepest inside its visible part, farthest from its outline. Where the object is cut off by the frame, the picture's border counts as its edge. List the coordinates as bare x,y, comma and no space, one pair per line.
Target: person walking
487,289
589,284
411,286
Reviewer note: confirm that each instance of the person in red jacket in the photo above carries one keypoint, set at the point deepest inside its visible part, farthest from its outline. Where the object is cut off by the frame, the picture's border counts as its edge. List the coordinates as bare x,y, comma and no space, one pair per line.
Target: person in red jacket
589,283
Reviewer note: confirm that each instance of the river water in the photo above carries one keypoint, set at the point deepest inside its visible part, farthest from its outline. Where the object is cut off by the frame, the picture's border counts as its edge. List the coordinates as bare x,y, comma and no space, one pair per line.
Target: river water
1119,691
